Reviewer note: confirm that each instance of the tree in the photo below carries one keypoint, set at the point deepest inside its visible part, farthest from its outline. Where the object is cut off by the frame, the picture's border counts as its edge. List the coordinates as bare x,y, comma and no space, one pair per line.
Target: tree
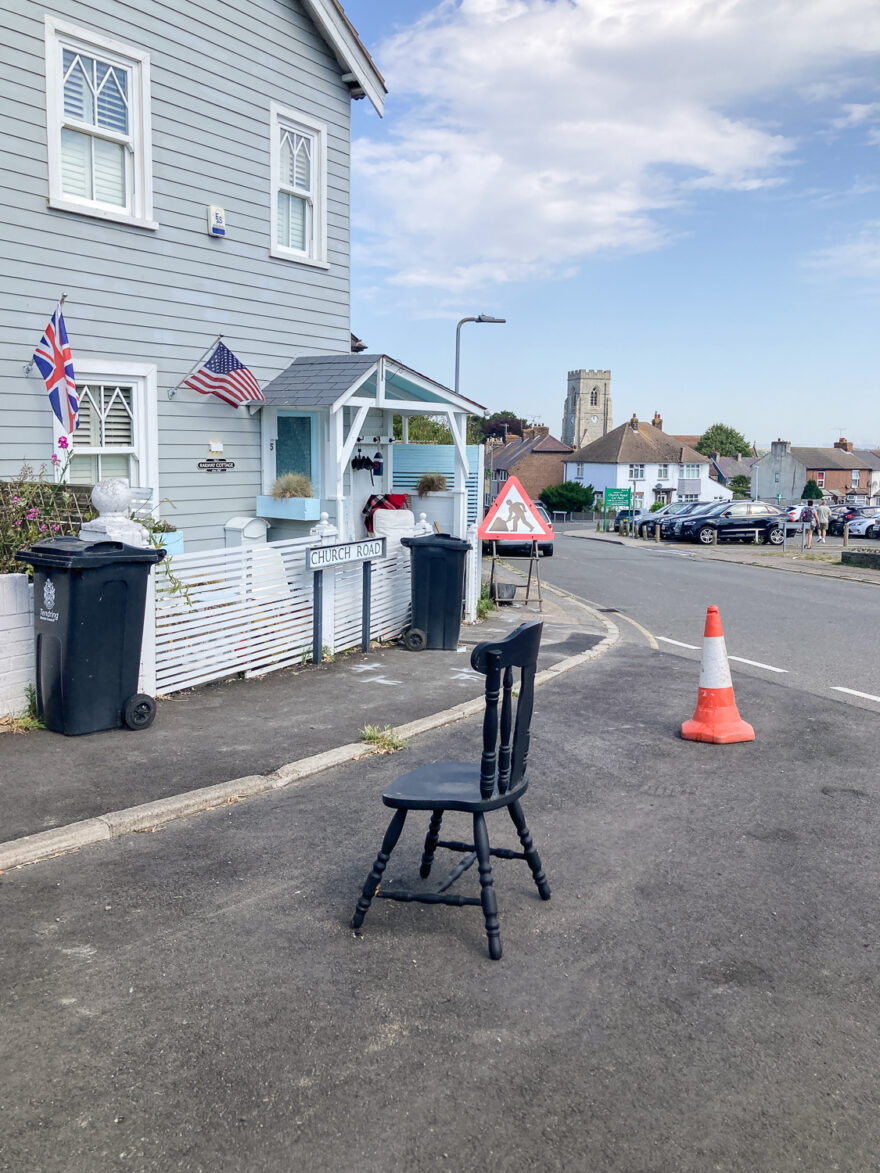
502,423
741,485
724,440
569,497
433,429
811,492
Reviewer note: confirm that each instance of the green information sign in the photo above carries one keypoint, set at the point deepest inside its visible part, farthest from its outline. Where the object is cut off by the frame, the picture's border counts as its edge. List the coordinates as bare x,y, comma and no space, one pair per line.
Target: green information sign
617,498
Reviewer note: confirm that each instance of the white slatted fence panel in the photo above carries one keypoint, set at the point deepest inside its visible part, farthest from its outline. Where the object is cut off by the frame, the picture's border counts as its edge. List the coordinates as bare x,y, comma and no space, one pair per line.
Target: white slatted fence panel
244,610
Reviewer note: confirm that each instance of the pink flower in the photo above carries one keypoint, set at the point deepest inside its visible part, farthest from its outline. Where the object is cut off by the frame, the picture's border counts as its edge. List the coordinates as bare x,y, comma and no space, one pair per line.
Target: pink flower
43,528
15,500
31,514
17,523
55,527
54,457
62,442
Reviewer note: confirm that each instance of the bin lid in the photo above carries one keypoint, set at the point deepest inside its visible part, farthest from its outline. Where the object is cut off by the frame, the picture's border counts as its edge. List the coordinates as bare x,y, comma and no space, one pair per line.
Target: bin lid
78,555
436,541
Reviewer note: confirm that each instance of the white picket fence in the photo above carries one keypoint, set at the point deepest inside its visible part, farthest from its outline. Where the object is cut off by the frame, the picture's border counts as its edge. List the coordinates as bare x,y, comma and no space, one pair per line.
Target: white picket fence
250,610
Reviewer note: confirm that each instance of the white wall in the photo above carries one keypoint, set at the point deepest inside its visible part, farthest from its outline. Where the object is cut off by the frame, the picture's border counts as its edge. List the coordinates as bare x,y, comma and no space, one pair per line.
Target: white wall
16,642
615,476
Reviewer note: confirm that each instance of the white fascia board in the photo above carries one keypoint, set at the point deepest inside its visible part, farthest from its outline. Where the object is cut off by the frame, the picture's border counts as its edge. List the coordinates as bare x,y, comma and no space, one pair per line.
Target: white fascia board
448,399
344,398
349,52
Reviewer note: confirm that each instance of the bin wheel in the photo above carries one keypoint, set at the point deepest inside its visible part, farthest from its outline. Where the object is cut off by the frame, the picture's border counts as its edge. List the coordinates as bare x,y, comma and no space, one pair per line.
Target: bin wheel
139,711
415,640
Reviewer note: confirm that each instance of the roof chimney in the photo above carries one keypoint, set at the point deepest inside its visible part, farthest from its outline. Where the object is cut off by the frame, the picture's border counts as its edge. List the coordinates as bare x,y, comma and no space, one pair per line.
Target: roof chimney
634,422
657,421
845,444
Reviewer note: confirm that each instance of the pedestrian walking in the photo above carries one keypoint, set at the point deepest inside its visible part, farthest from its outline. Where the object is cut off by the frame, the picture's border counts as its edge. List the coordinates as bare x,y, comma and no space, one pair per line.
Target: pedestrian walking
823,517
808,520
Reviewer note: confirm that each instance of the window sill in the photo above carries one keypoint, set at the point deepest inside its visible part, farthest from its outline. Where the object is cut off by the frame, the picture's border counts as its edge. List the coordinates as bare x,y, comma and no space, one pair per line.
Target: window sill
281,254
65,205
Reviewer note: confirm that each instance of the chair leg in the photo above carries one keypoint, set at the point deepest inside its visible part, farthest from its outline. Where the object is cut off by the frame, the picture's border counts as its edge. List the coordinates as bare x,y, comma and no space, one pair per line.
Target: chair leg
487,892
431,844
531,853
375,876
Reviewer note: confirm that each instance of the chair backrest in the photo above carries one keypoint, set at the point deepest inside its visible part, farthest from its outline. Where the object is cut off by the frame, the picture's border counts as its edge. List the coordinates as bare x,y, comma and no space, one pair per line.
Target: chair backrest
505,740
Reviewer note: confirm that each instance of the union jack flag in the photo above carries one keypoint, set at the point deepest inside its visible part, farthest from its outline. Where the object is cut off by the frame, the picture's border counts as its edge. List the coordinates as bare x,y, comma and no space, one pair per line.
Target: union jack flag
55,361
227,378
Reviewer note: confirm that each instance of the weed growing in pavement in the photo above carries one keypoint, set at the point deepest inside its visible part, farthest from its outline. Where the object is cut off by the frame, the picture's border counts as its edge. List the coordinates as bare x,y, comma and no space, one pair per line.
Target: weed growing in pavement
27,721
384,740
485,603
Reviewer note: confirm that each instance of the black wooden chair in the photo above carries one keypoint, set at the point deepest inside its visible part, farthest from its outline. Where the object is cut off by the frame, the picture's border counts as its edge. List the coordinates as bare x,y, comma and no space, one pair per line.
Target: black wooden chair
498,780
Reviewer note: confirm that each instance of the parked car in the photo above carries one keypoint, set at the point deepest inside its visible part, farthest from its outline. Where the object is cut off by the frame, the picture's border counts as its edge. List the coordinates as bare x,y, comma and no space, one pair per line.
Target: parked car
669,526
518,549
626,515
737,521
865,524
648,523
840,515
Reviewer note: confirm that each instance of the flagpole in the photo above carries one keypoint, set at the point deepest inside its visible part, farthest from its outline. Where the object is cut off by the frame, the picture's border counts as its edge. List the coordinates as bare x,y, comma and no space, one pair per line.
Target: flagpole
29,366
172,391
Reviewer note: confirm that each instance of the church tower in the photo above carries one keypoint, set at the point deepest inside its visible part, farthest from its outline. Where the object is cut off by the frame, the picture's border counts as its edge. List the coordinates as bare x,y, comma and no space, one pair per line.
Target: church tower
587,414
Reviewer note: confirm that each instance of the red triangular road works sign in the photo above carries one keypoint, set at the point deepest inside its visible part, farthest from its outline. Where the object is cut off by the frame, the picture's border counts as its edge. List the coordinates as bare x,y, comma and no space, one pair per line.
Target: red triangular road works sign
513,518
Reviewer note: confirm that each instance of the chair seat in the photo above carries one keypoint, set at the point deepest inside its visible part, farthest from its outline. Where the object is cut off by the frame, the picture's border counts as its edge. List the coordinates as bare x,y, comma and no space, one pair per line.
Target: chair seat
446,786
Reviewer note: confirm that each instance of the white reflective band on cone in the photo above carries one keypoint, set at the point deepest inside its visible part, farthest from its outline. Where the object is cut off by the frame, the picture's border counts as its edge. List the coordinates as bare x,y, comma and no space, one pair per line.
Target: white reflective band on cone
715,670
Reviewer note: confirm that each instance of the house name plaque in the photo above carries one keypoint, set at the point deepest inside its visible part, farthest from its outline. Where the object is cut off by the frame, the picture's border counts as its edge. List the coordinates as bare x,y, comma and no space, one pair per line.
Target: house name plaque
212,465
324,557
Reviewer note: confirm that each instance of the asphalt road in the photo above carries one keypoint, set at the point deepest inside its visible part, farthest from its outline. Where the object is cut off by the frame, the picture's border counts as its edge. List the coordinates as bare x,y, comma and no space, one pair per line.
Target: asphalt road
815,634
699,994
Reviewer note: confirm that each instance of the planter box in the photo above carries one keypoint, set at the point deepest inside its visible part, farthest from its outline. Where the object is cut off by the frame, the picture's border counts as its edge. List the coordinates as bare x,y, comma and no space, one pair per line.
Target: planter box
290,508
173,542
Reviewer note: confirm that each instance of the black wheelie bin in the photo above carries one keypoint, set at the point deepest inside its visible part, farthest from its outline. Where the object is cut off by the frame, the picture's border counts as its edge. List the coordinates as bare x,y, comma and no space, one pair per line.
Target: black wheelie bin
438,562
89,602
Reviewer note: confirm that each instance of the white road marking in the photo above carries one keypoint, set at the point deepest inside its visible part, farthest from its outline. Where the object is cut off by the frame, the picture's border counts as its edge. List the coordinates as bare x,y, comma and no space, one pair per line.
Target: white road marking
757,664
852,692
663,639
365,668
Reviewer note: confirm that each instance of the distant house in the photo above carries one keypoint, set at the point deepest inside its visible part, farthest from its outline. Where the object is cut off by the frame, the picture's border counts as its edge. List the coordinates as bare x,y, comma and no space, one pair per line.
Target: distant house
641,456
535,459
725,468
872,460
782,473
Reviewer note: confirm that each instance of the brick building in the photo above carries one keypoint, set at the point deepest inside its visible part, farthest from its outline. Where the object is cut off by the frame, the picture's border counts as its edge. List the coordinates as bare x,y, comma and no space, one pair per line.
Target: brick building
784,471
535,459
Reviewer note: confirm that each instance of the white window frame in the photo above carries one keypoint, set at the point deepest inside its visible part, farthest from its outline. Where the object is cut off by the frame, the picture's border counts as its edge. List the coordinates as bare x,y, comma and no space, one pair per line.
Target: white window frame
315,253
662,472
60,36
820,478
691,472
634,474
143,378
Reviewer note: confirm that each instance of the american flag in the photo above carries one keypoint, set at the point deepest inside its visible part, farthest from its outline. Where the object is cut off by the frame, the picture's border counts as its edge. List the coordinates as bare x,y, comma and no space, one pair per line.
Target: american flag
55,361
227,378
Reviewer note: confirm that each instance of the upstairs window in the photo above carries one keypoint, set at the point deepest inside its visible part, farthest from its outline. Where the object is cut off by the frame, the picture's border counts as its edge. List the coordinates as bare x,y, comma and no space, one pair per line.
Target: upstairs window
299,180
97,112
636,472
662,472
594,397
691,472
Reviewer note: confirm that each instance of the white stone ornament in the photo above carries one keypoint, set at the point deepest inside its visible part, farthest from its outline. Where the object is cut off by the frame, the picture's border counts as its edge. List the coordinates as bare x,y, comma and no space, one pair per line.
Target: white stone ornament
112,499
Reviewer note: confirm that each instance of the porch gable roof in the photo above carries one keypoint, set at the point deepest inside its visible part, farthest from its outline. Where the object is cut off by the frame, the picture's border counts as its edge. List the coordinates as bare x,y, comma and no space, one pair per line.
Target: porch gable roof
329,380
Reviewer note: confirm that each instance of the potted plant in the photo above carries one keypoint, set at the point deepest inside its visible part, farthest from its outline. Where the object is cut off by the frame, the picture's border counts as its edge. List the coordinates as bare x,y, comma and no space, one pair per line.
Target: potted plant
431,482
291,498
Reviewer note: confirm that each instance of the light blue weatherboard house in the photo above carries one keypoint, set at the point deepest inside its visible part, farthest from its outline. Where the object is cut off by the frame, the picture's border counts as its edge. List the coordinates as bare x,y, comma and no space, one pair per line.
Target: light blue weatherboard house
182,172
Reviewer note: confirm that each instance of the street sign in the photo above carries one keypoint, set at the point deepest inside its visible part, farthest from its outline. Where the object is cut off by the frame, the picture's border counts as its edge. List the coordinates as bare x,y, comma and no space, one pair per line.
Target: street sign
513,518
616,498
325,557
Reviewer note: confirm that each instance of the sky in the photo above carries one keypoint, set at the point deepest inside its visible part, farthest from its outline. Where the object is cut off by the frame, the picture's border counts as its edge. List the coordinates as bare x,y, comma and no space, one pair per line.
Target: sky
685,192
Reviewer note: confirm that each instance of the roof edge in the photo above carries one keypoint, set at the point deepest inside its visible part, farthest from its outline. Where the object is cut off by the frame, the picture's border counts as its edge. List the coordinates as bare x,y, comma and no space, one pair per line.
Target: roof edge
342,37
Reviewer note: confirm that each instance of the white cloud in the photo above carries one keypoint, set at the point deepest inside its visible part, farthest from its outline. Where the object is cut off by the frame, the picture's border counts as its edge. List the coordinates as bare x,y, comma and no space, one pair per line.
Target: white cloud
858,257
525,135
857,114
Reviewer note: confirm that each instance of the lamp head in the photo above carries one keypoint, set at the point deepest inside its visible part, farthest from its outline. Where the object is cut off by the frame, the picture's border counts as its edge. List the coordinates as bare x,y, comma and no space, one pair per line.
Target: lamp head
488,318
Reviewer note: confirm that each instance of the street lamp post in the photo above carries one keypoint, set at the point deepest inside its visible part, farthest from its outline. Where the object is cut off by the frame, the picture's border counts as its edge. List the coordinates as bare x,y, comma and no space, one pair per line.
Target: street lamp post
481,318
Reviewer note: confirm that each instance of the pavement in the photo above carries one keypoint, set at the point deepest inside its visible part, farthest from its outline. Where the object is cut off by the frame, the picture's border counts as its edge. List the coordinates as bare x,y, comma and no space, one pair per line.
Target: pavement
699,994
222,741
822,561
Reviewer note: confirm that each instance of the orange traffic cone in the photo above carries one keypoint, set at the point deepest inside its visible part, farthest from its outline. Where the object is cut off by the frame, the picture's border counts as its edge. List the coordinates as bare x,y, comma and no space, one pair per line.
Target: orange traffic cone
716,717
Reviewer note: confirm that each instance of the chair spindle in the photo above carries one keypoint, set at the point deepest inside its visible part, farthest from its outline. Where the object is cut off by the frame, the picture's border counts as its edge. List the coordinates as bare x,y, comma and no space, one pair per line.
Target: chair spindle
489,758
505,747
